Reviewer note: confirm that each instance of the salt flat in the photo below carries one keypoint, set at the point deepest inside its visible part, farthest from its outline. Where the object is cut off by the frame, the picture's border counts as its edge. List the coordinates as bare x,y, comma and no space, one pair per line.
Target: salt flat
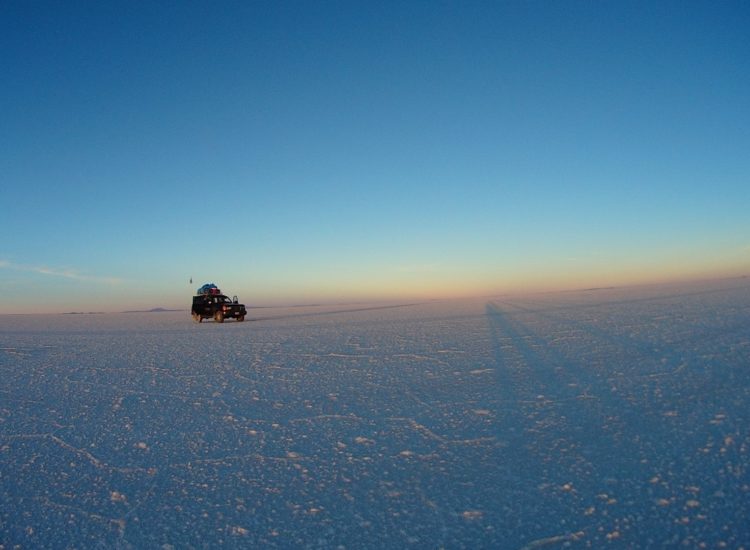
616,416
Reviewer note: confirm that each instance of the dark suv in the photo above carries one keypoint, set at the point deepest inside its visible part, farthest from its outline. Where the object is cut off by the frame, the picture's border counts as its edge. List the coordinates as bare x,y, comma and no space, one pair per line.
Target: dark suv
217,307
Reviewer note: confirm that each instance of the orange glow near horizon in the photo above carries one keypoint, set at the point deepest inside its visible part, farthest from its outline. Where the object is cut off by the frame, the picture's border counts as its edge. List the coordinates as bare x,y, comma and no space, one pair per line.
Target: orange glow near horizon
401,285
437,286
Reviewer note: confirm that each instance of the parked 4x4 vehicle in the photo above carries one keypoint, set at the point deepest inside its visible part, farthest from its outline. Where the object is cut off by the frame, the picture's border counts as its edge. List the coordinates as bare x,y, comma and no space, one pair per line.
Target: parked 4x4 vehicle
210,303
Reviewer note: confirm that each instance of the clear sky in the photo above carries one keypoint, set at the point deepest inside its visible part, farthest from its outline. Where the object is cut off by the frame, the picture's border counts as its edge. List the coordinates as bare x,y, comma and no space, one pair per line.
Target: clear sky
298,152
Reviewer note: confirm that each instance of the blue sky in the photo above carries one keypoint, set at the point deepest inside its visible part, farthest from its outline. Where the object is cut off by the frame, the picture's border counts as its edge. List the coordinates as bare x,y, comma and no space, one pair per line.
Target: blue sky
301,151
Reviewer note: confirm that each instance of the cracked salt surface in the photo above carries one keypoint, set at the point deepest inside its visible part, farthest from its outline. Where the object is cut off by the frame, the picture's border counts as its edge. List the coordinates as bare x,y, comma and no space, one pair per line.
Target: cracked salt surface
614,417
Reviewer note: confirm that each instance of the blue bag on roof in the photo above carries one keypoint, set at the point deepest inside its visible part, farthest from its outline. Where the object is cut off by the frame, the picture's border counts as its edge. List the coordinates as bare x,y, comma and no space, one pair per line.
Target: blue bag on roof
208,288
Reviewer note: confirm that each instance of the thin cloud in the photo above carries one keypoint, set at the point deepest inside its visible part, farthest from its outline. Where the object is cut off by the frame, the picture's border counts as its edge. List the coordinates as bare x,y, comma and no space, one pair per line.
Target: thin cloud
64,273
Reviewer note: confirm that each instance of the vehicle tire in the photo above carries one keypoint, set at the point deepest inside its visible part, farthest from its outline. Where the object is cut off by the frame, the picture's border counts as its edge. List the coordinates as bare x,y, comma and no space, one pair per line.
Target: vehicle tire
240,318
219,316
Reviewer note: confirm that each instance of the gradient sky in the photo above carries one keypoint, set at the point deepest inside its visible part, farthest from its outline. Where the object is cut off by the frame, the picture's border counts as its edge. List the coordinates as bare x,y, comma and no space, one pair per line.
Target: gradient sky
327,151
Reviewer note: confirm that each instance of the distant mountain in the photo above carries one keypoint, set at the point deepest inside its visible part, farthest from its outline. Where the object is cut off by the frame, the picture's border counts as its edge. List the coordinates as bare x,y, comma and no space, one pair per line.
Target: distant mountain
153,310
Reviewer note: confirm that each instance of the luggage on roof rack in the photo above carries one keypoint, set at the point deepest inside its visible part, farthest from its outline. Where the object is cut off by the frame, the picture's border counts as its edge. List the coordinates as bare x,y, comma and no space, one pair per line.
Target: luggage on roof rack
209,288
